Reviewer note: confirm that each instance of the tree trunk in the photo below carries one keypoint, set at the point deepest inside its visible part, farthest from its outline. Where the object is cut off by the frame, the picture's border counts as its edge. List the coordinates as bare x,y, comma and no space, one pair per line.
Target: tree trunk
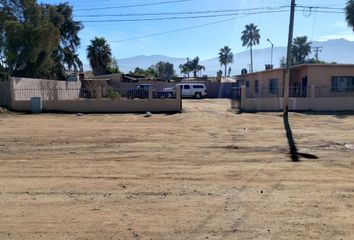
251,61
225,69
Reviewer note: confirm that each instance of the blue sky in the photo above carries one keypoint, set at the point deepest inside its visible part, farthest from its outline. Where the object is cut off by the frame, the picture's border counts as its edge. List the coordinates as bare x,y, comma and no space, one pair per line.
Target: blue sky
204,41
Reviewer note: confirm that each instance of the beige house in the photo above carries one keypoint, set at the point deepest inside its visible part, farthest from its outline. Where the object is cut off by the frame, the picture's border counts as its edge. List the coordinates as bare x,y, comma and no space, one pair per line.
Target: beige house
325,82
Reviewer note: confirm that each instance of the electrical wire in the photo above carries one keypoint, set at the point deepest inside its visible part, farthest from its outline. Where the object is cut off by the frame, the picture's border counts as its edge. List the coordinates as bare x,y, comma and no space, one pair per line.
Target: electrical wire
131,6
180,13
176,18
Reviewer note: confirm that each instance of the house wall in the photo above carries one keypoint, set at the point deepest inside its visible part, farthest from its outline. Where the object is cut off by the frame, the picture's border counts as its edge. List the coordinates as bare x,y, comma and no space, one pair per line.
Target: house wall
4,94
298,74
263,78
321,75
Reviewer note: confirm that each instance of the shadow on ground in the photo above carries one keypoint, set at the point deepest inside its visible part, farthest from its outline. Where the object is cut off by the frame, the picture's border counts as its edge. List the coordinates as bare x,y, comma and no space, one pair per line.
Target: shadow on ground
294,154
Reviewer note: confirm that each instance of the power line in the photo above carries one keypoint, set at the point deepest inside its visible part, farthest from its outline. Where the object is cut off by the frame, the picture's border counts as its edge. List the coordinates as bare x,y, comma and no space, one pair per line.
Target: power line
177,30
132,6
176,18
196,17
181,13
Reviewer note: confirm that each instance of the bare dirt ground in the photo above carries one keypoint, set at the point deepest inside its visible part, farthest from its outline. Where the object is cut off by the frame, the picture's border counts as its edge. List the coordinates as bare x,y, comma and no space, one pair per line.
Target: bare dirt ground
204,174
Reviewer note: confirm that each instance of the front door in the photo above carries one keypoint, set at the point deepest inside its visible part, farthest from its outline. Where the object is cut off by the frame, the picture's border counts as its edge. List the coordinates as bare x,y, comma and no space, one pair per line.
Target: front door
304,87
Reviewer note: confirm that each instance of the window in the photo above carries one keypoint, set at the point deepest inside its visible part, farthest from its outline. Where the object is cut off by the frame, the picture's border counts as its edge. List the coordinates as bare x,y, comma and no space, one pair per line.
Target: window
273,86
186,87
247,84
342,84
198,86
256,86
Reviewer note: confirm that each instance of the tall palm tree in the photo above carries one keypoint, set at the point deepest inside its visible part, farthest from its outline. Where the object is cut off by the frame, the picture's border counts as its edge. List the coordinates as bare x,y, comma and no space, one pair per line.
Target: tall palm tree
184,69
194,65
300,49
226,57
200,68
250,37
100,55
349,13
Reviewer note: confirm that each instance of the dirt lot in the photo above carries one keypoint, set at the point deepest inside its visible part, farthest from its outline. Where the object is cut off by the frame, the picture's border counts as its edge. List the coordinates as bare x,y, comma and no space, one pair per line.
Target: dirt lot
204,174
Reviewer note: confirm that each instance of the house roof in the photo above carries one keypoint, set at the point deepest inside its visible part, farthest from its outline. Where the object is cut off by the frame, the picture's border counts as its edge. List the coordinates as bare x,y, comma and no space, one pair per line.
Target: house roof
298,66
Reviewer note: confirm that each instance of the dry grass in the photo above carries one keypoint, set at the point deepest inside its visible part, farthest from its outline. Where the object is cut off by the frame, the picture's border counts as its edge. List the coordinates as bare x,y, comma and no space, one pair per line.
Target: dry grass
204,174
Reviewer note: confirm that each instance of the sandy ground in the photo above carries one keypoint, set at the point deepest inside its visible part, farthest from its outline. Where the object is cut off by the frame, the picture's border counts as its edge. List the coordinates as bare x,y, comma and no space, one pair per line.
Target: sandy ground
204,174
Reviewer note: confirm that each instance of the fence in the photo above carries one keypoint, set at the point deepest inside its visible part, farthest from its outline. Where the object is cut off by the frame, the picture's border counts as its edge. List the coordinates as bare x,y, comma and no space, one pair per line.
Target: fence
214,89
298,92
25,94
72,97
309,99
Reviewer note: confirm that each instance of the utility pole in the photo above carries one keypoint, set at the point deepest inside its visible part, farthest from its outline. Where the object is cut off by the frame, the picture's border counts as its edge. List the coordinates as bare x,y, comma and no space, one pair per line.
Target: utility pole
317,50
288,59
271,55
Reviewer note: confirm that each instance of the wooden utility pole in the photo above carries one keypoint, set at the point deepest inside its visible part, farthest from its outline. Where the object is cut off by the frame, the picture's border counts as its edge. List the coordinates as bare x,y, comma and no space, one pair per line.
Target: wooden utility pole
317,50
288,59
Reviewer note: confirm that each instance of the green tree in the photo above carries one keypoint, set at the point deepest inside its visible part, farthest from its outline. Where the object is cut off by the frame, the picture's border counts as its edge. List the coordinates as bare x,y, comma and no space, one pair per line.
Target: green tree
113,66
300,50
187,67
66,54
184,69
165,70
29,36
36,40
282,62
100,55
349,13
195,67
250,37
200,69
150,72
226,57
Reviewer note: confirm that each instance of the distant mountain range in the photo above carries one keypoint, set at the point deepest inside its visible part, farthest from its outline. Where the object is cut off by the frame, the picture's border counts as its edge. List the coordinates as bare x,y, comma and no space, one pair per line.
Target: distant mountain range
339,50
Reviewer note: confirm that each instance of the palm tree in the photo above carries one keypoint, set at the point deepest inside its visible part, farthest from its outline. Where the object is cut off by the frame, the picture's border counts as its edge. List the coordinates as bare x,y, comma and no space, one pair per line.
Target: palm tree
184,68
194,65
100,55
300,49
250,37
226,57
200,68
349,16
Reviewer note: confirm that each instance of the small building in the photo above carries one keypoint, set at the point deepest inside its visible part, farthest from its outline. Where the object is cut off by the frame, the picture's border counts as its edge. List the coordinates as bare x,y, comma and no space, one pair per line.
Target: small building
329,80
311,87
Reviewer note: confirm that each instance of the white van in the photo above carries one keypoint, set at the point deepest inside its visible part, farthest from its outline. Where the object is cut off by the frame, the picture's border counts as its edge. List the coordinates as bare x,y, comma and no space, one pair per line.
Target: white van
196,90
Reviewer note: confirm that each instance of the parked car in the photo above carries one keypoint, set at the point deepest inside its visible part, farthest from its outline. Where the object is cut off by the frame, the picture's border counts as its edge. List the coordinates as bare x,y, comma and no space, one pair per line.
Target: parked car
141,91
196,90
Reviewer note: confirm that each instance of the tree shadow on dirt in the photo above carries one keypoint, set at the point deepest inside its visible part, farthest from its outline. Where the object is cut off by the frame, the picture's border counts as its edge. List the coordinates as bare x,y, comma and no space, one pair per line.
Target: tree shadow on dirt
294,154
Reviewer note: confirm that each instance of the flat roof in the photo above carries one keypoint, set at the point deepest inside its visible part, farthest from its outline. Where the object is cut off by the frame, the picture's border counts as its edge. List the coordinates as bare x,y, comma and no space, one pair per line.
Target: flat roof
298,66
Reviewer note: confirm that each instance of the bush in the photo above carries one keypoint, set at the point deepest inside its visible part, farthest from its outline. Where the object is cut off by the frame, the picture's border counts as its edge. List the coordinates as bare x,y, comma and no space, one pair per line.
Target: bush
111,94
